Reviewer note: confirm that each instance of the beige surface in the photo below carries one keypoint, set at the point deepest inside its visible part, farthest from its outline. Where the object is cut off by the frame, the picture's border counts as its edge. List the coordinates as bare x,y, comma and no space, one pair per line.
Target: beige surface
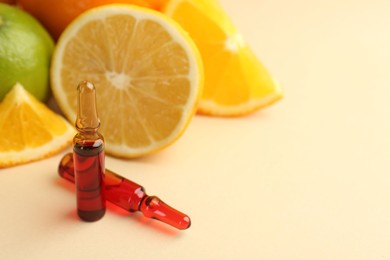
306,179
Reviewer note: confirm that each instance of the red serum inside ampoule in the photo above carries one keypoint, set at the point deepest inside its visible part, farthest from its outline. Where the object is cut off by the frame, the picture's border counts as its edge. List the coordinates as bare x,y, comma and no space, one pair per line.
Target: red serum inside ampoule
89,164
88,156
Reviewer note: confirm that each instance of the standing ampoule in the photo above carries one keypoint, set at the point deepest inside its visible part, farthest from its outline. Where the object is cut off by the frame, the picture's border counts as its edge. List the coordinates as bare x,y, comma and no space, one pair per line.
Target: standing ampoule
88,156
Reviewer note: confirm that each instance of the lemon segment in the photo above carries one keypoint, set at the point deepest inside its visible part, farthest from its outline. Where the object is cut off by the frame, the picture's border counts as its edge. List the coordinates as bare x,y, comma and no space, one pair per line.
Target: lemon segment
29,130
236,83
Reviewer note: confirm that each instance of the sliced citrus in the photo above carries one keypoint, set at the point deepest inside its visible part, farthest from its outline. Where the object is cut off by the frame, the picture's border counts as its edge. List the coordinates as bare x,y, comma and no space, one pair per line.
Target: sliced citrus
147,73
236,83
29,130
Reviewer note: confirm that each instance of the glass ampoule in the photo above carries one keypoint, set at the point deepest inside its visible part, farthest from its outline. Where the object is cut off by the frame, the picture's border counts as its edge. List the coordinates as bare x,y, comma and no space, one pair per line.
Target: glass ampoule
88,156
130,196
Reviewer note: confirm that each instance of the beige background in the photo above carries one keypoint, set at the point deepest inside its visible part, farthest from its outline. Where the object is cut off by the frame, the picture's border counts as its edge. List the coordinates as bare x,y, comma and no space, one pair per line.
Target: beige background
308,178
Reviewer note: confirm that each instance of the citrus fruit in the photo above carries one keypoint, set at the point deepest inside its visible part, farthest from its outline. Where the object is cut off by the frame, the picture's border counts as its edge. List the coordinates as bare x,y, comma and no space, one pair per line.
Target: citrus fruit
146,70
56,15
236,83
29,130
25,52
11,2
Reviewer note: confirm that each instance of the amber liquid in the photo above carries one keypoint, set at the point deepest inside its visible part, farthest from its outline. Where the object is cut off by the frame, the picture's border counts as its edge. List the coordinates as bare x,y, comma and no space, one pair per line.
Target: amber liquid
89,168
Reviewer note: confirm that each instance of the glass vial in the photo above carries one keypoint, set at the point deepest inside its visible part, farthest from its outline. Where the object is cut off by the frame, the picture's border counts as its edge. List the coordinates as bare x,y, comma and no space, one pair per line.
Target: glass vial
88,156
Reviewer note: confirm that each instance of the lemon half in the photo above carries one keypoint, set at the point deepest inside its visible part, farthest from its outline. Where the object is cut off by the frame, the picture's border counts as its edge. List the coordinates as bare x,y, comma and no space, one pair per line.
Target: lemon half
147,72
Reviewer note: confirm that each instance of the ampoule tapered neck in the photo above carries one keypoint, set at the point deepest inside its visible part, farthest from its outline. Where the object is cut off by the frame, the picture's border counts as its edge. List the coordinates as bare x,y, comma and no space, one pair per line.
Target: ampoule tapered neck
87,116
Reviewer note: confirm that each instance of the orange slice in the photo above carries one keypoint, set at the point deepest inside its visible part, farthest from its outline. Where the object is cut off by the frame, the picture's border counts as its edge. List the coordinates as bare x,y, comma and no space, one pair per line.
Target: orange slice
29,130
147,73
236,83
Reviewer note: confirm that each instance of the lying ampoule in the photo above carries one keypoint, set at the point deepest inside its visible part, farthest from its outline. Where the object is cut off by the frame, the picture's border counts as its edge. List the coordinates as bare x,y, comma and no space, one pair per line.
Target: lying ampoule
131,196
88,156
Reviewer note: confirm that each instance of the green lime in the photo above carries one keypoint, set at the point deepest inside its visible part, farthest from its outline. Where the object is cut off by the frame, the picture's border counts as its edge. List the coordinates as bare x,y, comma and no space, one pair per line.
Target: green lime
25,52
